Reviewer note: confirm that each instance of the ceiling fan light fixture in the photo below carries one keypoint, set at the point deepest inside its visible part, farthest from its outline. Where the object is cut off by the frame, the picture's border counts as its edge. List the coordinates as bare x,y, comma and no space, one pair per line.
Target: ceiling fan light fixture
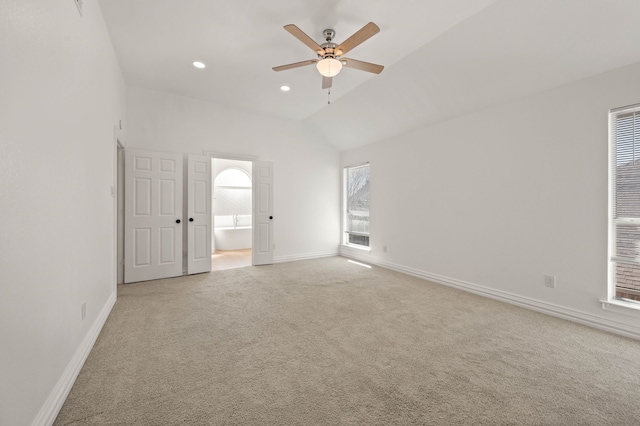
329,67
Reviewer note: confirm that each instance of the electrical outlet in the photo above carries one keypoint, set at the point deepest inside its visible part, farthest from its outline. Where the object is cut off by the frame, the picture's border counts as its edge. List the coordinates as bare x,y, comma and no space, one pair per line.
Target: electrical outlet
550,281
83,309
384,249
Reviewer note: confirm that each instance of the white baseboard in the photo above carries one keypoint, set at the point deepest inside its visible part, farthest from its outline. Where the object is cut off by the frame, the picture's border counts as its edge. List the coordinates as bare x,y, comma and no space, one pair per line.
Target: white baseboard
58,395
307,256
525,302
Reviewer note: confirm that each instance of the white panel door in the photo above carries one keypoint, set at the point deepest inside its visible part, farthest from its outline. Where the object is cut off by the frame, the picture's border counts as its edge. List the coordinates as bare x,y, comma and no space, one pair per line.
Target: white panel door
153,215
199,213
262,213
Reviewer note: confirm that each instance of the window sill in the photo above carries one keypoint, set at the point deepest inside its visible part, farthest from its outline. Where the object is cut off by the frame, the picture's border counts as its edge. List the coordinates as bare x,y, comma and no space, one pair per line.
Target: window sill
620,306
357,247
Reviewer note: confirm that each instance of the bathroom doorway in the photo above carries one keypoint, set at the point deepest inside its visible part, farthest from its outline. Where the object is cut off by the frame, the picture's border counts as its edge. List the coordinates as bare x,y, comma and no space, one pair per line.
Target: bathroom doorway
232,198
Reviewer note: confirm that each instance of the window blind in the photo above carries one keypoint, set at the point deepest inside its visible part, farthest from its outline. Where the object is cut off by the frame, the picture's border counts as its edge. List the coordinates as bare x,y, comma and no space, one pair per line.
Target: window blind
625,200
626,184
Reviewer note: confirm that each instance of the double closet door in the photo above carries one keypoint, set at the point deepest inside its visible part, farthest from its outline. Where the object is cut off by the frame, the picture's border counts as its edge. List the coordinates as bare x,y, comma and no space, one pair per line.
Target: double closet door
157,226
155,221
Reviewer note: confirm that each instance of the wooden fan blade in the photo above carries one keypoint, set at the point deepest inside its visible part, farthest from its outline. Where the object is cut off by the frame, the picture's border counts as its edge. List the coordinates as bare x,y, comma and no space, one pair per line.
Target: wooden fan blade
296,65
362,66
327,82
360,36
300,35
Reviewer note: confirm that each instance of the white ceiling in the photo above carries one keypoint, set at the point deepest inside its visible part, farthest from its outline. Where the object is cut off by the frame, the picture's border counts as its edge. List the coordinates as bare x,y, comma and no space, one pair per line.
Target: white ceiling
442,58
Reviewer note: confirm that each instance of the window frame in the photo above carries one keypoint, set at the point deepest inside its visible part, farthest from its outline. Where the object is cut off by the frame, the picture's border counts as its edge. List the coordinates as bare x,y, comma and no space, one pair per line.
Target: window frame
612,257
345,211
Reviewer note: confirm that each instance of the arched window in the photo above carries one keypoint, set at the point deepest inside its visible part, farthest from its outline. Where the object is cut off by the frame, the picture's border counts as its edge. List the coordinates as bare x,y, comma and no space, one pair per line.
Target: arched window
232,193
234,178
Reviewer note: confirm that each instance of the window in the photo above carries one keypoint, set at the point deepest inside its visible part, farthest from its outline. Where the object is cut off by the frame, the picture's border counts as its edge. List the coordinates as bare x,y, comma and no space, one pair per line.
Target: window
356,205
624,228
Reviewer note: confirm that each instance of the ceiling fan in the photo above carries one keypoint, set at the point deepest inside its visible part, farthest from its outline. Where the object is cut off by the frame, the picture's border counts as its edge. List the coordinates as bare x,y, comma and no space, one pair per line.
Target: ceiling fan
330,60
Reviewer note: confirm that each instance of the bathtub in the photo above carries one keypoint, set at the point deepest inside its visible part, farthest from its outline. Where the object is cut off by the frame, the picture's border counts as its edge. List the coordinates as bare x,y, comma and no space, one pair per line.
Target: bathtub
226,236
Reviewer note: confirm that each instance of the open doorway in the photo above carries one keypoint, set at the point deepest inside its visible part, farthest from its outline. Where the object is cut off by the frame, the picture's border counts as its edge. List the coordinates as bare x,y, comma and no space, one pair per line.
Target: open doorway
232,207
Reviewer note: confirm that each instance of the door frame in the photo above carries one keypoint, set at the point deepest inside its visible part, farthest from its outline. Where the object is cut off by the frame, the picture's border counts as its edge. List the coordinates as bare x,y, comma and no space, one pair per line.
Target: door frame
230,156
119,144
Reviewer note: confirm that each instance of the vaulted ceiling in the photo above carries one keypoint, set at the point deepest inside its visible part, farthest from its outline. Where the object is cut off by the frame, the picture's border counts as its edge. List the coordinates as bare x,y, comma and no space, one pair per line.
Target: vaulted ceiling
442,58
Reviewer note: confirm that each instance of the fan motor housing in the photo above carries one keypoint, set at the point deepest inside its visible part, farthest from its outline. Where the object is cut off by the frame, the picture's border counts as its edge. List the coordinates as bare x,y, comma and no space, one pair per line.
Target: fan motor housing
329,47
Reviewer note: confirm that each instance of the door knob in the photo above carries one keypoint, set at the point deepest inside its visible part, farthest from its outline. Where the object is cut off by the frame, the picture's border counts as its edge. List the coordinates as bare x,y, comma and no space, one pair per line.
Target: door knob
270,217
190,219
177,220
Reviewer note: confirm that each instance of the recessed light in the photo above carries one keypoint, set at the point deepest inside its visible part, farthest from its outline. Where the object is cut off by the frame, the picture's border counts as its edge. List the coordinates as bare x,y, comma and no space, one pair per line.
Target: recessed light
199,64
285,88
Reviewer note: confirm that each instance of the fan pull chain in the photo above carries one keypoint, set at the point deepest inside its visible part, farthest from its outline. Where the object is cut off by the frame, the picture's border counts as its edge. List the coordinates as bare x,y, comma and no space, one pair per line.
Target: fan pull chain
329,97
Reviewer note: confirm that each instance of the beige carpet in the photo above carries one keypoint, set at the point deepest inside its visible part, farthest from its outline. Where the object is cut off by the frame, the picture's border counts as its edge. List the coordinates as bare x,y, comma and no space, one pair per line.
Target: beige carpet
327,342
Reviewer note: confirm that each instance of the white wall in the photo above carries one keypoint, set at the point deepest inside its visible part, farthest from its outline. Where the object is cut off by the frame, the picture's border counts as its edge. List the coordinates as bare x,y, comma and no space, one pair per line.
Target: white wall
306,170
496,199
61,93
